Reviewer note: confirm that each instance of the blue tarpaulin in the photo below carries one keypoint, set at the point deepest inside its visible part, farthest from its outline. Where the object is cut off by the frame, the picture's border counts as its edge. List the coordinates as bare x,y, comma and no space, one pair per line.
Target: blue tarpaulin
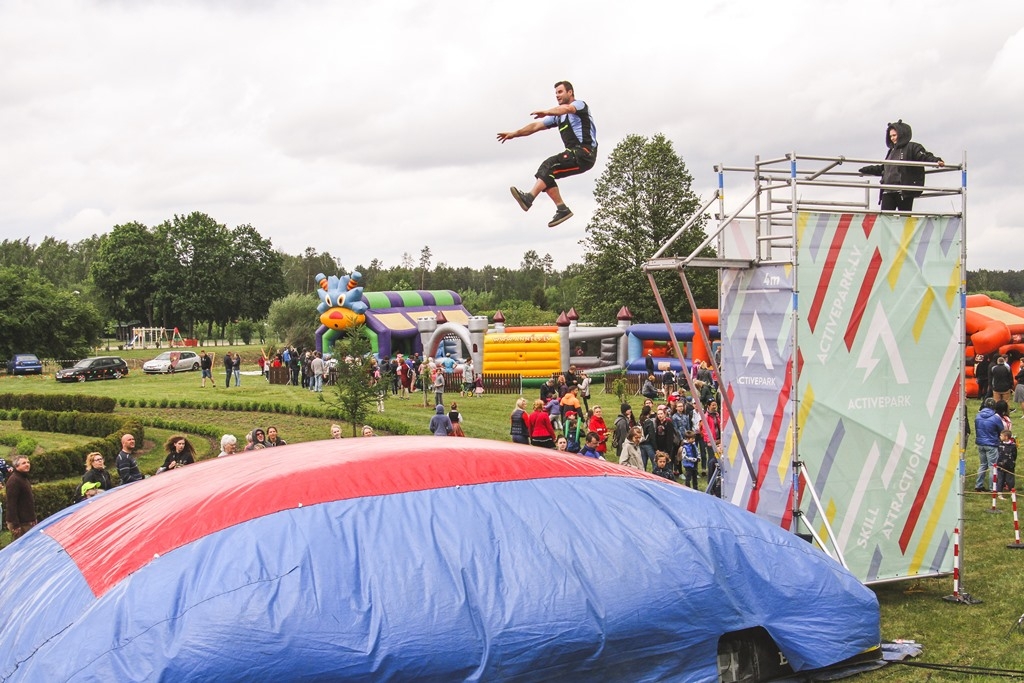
413,558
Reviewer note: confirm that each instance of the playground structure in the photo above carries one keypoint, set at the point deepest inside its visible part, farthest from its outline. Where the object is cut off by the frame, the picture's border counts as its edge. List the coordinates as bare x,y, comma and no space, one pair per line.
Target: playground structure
842,347
993,328
156,337
436,324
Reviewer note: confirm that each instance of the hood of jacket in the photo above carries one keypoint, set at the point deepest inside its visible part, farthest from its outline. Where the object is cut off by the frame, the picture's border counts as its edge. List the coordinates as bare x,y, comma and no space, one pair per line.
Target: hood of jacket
439,409
903,133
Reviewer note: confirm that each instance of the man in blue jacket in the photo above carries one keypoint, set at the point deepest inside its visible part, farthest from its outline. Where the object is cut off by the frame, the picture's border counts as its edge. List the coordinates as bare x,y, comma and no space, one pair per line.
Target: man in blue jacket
987,426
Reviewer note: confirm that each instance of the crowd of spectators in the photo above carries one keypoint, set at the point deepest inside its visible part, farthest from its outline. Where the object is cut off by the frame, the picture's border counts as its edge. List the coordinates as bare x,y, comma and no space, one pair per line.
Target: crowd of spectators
672,438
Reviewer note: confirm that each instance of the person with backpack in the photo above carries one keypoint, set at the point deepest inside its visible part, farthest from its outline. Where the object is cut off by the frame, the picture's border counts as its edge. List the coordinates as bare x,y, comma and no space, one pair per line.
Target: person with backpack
648,426
668,381
624,421
1006,462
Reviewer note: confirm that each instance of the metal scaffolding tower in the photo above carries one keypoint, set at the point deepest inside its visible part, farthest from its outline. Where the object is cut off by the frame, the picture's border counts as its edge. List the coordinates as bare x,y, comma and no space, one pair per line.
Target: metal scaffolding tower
810,197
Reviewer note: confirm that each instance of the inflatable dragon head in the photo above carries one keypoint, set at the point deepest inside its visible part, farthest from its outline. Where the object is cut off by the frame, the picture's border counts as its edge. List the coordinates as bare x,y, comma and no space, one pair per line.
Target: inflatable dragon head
341,304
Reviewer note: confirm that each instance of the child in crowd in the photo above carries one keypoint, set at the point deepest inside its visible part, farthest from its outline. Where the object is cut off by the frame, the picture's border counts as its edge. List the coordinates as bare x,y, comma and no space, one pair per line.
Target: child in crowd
714,477
1006,463
690,457
554,409
662,467
572,432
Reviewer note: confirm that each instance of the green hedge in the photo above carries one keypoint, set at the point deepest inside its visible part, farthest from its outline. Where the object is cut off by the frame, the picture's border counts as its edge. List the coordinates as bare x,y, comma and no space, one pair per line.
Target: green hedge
385,424
299,409
86,424
57,402
183,427
65,462
55,474
390,425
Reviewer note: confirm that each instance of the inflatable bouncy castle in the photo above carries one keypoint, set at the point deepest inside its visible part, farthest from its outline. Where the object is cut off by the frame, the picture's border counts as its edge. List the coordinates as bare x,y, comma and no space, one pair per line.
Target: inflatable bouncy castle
435,323
994,328
654,339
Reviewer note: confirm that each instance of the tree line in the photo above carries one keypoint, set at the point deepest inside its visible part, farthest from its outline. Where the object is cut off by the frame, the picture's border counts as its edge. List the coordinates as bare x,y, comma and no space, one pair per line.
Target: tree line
196,274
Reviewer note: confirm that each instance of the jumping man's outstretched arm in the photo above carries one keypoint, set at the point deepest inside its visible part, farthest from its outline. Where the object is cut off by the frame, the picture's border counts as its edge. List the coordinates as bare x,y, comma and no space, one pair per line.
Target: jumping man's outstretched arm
555,111
528,129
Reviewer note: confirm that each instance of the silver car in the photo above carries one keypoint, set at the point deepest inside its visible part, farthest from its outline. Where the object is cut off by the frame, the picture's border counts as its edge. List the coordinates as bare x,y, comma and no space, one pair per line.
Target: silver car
171,361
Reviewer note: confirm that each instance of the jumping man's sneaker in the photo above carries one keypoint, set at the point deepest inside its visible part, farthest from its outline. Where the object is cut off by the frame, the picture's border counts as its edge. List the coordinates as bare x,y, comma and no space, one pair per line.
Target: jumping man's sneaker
525,199
562,214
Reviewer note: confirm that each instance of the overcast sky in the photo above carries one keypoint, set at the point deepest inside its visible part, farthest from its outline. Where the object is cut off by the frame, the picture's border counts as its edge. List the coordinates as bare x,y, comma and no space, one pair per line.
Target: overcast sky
367,129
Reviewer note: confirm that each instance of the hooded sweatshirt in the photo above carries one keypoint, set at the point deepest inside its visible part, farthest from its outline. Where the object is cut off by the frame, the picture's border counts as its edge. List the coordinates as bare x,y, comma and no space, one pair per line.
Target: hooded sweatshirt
263,444
987,426
440,424
902,150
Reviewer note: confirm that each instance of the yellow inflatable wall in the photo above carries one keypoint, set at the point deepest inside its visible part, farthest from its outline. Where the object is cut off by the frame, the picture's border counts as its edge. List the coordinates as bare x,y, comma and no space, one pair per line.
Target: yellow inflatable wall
531,354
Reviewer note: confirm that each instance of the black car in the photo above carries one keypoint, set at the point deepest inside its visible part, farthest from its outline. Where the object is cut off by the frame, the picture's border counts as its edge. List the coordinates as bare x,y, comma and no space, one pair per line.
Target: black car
24,364
101,367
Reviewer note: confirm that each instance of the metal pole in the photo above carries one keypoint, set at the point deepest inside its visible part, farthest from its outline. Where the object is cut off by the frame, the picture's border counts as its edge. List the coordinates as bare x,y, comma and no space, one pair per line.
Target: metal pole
824,517
962,331
710,237
757,208
693,219
796,463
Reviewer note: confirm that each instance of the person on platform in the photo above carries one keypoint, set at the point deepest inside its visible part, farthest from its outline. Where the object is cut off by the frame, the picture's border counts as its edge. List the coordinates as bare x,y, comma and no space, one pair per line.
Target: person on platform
898,139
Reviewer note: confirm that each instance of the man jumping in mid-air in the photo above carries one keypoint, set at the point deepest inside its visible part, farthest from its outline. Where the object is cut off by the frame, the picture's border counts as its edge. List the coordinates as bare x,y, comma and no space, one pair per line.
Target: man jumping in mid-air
579,135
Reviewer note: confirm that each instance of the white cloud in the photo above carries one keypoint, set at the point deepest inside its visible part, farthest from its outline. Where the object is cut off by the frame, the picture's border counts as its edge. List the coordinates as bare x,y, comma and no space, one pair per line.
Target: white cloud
367,129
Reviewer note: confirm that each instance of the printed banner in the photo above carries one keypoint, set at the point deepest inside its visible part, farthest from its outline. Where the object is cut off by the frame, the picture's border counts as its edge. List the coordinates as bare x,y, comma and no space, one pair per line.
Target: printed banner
877,337
756,320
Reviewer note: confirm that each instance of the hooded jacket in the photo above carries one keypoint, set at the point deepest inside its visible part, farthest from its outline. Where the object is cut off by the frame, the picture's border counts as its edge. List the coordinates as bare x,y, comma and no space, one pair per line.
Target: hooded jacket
987,426
252,446
902,150
440,424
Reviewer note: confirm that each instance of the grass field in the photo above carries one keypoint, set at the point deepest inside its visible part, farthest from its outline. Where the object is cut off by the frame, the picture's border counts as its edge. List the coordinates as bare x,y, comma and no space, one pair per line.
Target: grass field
956,634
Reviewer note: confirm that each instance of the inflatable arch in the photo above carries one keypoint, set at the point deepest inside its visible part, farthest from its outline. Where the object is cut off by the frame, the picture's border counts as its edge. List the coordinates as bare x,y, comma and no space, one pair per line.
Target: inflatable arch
440,332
